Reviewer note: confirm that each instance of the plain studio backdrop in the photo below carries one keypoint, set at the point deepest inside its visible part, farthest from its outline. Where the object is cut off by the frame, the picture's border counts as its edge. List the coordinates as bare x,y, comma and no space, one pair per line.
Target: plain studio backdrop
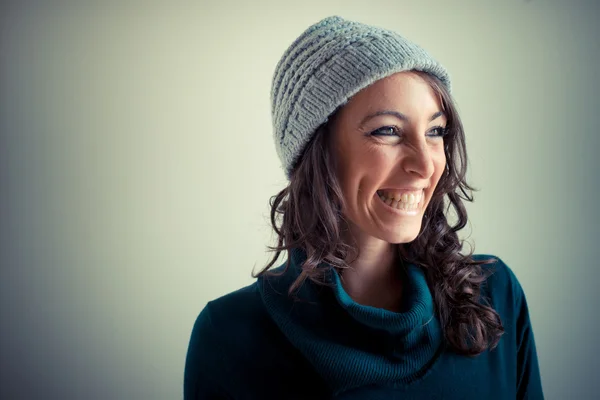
137,162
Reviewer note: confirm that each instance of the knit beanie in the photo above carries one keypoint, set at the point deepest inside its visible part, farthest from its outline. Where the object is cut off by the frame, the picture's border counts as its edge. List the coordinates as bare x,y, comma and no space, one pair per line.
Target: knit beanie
324,67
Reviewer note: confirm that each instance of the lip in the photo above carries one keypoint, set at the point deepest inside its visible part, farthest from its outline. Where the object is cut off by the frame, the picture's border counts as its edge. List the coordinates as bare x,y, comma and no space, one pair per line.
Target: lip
412,188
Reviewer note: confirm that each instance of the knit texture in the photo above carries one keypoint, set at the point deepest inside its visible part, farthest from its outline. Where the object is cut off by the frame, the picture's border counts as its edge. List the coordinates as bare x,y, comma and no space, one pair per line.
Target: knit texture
325,66
352,345
258,343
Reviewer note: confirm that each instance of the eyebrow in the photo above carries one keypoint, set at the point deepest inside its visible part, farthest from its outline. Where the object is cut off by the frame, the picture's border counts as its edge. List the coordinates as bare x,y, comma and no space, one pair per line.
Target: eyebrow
398,115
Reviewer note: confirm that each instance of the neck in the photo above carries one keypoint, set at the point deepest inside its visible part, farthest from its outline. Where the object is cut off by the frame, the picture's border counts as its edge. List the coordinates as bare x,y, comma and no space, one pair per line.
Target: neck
349,344
373,277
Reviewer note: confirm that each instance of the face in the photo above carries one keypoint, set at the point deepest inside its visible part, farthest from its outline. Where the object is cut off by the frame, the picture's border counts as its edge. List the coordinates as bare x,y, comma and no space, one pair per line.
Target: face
389,151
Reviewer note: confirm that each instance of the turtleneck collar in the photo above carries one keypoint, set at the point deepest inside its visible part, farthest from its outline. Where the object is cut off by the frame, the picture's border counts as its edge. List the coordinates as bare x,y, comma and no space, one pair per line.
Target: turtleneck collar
349,344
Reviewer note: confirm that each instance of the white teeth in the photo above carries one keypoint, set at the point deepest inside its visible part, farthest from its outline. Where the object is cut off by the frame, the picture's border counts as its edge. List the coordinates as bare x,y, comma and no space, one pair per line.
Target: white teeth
407,198
405,201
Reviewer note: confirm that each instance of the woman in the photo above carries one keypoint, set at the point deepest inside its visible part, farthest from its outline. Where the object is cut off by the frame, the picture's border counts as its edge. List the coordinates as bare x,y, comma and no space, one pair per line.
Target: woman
375,300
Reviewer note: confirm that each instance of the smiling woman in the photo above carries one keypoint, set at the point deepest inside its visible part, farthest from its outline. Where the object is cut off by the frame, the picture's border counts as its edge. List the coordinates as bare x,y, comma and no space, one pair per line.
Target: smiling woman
375,299
391,159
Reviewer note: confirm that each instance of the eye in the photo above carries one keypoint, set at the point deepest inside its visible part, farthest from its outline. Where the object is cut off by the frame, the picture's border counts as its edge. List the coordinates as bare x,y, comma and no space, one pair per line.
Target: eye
386,131
439,131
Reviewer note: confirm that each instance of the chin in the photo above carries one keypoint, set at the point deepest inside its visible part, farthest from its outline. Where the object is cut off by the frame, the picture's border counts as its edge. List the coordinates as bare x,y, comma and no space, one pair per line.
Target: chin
402,239
399,237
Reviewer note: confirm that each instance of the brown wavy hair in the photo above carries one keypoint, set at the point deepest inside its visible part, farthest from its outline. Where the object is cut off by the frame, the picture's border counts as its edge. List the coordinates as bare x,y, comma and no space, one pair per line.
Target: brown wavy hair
307,215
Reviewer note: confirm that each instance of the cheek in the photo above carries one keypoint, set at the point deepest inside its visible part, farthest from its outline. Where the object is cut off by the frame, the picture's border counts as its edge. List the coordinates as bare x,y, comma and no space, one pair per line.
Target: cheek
357,157
368,165
360,172
439,162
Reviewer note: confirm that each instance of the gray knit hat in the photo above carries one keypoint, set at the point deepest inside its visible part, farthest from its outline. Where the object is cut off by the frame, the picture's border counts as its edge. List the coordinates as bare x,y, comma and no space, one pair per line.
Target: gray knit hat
324,67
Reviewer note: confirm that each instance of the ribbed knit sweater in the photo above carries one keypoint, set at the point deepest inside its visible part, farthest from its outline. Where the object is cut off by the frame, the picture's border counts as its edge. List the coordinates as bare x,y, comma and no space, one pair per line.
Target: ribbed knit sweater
260,343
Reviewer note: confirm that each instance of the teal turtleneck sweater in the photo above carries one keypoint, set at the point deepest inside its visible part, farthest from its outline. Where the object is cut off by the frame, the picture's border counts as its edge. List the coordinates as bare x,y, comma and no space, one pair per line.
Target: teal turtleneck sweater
259,343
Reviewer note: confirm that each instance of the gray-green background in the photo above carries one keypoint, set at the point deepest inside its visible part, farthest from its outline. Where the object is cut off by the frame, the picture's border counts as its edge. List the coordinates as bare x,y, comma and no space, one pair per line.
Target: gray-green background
136,163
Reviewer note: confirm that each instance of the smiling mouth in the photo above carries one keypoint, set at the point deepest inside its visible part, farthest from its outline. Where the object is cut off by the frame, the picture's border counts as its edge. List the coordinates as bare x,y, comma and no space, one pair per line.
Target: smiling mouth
408,201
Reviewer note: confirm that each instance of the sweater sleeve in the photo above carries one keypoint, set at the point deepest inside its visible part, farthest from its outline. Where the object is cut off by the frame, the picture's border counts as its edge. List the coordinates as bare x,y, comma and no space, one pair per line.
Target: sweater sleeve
205,365
529,384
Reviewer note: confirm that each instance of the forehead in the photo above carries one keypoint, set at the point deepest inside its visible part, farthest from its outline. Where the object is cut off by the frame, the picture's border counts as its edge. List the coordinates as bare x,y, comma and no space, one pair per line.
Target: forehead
406,92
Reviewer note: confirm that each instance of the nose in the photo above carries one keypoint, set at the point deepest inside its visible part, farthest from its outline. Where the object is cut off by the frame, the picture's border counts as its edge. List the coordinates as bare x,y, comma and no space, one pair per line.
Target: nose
418,160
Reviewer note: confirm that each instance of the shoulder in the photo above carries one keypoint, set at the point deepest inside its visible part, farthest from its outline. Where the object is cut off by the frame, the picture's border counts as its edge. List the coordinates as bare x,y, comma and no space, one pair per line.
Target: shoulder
236,303
236,330
221,342
240,316
501,280
502,290
235,348
230,316
224,314
507,297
